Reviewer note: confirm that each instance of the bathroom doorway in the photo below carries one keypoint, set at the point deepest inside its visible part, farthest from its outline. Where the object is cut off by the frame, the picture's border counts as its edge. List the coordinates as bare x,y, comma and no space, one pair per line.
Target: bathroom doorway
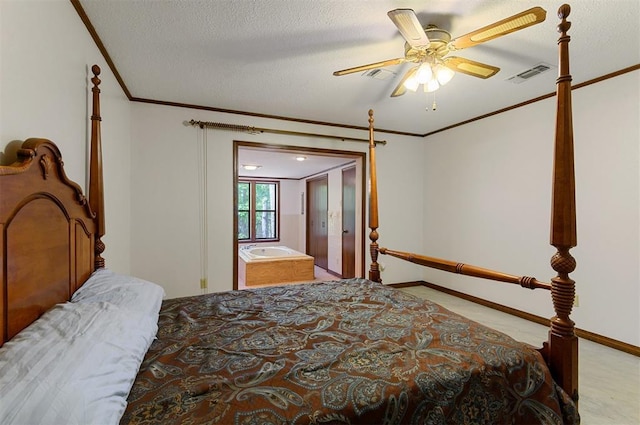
283,164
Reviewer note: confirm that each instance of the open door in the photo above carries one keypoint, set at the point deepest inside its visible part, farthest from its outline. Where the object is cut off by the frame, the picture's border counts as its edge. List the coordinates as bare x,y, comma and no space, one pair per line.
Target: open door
349,222
317,222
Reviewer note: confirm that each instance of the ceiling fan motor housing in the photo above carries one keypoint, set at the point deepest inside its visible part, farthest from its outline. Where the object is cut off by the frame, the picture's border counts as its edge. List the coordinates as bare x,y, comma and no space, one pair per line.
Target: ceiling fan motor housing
439,40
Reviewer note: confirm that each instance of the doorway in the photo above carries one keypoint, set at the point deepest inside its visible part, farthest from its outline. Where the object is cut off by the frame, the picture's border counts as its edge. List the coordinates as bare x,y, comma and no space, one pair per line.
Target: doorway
293,207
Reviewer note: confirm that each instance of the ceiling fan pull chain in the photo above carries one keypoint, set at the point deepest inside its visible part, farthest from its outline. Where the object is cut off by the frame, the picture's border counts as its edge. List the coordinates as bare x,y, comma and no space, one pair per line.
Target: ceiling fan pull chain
433,105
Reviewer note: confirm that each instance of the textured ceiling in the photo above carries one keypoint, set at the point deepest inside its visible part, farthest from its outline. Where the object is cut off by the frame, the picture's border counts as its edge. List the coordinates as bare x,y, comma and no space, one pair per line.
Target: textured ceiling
276,57
283,164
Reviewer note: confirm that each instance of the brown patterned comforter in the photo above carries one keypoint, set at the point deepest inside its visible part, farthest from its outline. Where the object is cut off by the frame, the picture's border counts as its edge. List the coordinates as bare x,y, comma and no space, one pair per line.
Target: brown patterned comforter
336,353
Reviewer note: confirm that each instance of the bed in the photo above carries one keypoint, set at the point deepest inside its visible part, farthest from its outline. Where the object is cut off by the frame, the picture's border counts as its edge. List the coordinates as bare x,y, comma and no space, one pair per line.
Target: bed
82,344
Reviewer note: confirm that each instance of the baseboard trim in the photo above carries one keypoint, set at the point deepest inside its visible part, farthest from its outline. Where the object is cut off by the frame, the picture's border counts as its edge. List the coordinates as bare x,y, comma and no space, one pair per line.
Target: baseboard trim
600,339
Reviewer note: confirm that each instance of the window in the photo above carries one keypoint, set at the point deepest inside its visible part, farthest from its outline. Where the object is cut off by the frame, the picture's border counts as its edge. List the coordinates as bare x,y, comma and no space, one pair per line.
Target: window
258,215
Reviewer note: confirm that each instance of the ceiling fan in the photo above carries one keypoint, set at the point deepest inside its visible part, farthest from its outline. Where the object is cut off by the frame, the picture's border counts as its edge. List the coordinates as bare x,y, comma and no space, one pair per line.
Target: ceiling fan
428,48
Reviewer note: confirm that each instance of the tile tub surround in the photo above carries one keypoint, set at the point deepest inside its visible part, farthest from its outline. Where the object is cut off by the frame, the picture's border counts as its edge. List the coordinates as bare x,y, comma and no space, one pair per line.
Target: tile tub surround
260,270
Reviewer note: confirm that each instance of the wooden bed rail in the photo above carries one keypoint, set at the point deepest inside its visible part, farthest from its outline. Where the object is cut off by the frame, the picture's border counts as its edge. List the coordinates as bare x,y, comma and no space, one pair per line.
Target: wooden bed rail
466,269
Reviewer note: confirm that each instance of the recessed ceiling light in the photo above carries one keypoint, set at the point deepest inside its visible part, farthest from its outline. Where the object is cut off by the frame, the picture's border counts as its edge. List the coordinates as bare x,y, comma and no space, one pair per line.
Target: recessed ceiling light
301,158
251,167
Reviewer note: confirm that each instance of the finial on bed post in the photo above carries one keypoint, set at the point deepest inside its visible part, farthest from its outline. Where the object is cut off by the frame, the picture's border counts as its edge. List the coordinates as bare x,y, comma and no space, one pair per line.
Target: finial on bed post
374,269
96,186
563,343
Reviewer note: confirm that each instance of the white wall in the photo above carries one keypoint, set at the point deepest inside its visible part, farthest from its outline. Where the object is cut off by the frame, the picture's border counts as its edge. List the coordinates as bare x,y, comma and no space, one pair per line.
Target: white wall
487,199
165,238
47,55
401,193
290,214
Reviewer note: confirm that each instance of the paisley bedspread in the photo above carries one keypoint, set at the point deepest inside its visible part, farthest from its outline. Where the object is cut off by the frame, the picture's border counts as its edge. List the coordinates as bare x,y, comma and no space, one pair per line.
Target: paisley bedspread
344,352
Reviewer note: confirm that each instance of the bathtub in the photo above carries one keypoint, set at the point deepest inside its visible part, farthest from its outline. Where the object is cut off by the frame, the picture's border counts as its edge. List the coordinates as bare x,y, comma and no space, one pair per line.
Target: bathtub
263,265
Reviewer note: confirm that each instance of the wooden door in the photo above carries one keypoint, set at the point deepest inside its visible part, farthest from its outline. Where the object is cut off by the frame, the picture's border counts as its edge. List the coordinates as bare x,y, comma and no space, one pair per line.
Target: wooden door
317,226
349,222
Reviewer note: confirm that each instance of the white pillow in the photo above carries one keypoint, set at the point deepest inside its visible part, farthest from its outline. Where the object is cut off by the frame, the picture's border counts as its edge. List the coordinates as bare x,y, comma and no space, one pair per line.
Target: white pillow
74,365
127,292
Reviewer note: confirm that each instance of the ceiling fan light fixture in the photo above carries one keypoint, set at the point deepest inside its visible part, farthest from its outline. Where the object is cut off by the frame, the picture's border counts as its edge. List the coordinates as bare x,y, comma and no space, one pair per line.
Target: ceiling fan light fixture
431,76
251,167
424,73
432,85
412,83
444,74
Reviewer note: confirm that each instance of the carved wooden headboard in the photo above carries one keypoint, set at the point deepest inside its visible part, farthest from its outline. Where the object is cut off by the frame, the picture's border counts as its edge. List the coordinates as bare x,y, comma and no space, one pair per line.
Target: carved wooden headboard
49,232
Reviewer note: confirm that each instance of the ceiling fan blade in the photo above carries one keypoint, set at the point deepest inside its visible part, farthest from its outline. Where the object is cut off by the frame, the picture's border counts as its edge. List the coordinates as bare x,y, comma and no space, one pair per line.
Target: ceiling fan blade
400,88
514,23
389,62
409,26
469,67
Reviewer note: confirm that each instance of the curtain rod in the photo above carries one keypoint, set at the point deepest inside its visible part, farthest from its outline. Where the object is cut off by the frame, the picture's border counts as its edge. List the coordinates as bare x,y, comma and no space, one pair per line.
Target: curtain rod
258,130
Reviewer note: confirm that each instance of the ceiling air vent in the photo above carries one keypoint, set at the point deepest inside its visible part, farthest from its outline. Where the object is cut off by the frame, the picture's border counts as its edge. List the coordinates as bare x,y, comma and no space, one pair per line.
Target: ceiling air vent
529,73
379,74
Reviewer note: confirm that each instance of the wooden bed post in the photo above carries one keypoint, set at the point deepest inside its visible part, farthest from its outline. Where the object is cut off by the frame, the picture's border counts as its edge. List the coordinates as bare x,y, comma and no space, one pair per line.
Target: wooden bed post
96,187
563,343
374,269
